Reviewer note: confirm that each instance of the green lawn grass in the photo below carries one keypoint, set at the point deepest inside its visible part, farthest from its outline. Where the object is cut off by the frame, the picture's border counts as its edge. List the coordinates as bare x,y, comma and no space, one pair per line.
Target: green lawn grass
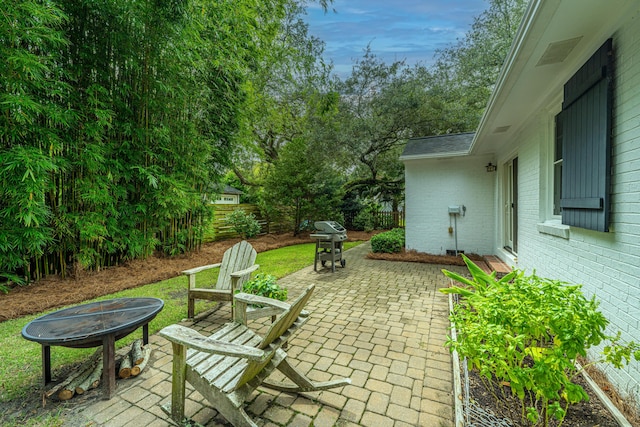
21,367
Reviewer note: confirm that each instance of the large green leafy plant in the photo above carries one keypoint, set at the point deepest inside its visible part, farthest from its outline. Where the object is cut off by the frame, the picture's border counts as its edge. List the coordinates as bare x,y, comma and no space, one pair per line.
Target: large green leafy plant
265,285
524,333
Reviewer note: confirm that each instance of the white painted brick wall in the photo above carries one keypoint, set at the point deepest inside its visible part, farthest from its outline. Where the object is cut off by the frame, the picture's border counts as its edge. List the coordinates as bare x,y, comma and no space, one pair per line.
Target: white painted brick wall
431,187
607,264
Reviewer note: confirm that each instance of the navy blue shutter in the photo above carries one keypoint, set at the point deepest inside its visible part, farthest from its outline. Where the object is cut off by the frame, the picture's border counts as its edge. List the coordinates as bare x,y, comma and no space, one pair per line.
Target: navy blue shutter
586,143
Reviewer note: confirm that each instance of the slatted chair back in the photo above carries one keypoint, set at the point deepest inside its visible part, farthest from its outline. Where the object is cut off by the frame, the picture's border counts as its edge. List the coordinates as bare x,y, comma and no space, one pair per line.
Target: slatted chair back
279,327
238,257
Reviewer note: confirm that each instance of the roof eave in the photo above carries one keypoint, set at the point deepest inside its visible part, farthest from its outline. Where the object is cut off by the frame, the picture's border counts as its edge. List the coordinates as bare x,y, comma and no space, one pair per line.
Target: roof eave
433,156
525,26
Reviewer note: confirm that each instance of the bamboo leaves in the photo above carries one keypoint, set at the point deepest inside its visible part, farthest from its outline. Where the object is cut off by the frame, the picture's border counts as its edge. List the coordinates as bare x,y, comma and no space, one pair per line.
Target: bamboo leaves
114,116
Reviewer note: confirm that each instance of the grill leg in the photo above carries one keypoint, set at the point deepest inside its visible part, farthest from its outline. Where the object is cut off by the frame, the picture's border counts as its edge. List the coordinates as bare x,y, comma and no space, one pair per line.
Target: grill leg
333,256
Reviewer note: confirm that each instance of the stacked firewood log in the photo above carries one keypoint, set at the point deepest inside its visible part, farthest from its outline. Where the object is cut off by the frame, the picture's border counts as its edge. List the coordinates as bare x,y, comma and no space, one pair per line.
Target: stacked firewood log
135,361
88,376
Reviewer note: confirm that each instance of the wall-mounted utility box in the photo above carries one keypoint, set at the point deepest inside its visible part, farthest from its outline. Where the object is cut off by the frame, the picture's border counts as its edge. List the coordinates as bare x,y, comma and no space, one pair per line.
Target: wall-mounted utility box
454,210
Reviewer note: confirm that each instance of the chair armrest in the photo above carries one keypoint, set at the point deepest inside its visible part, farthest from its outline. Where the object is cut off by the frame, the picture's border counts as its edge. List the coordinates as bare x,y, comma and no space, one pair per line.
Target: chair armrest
189,338
241,273
260,300
199,269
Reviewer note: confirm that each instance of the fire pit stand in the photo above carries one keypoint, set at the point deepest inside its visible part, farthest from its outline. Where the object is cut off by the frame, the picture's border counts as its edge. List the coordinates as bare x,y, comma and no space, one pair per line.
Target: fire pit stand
329,238
91,325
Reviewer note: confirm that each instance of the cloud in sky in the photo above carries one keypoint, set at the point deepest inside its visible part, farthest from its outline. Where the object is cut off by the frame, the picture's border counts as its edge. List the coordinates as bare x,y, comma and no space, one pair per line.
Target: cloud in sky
410,30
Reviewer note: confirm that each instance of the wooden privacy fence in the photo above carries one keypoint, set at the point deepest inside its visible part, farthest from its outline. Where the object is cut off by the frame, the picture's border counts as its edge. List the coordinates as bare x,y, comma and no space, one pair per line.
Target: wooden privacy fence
223,230
388,219
383,220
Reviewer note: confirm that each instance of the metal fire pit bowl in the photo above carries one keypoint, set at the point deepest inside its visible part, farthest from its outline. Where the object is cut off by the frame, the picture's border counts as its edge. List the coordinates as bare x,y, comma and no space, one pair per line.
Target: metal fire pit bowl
92,325
84,326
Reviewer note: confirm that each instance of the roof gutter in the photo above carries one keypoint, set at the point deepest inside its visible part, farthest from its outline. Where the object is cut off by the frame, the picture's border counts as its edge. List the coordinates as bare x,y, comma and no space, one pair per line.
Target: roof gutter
434,156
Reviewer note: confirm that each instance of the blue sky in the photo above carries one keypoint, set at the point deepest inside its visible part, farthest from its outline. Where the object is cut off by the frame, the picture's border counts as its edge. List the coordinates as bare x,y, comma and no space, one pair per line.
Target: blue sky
410,30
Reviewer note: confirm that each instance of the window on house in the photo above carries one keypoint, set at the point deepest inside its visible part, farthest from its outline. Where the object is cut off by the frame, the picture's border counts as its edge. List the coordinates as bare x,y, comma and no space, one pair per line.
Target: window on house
557,167
586,143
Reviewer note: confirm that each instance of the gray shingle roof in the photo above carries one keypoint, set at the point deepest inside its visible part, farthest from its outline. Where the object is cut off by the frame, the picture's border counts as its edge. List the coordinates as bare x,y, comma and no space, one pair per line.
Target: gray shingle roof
438,146
231,190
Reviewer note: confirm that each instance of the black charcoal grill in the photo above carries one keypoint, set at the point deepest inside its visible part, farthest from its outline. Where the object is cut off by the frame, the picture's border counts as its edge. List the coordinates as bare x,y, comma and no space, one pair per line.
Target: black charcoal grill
329,236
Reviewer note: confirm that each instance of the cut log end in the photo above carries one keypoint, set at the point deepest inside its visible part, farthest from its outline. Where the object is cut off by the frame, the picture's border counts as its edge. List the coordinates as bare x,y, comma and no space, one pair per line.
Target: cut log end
125,366
65,394
136,370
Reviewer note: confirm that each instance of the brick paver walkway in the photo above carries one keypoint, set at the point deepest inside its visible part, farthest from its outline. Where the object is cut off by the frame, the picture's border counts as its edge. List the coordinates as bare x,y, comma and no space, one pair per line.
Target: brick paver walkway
383,324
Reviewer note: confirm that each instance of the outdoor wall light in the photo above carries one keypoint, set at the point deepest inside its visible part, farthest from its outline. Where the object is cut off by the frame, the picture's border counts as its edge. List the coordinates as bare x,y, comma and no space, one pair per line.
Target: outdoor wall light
491,167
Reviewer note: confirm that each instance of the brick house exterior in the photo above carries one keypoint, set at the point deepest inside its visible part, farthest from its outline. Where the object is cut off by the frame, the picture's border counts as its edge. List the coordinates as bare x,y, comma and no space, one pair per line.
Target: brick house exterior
563,128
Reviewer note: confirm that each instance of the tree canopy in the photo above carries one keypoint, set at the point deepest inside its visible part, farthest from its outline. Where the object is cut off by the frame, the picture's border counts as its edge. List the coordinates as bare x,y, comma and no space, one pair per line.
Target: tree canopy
116,119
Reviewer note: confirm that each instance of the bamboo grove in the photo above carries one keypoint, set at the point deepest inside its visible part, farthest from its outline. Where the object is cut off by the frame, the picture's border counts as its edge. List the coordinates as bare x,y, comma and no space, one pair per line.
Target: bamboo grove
114,117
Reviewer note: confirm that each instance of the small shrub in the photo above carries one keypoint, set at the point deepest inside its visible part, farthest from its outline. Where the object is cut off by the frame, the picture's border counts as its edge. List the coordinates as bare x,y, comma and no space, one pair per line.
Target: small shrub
265,285
245,224
364,221
388,242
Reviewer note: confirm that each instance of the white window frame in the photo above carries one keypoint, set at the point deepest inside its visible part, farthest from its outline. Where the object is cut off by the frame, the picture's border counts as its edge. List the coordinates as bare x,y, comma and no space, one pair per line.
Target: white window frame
550,223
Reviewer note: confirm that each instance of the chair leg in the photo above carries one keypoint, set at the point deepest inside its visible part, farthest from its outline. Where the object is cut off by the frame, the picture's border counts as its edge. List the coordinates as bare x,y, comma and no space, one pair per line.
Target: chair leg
191,307
178,382
301,381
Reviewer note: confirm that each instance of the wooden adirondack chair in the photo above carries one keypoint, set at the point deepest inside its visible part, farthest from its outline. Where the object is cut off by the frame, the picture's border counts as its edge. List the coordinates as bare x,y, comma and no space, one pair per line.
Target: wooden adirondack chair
235,269
230,364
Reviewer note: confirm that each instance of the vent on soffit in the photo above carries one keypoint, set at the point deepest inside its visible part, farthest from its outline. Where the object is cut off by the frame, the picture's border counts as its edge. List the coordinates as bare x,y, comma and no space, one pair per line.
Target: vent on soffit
558,51
501,129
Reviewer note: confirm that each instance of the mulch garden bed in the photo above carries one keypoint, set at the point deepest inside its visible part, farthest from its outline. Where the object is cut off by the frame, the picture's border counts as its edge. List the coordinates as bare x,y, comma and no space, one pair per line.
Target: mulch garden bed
590,413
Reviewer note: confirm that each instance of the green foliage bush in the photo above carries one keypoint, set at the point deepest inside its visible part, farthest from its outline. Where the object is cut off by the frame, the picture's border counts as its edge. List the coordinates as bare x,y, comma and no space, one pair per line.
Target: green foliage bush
245,224
364,221
527,332
265,285
391,241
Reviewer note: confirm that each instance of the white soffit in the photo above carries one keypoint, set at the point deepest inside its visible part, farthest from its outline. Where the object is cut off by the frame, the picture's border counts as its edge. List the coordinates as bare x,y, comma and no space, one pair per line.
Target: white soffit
555,38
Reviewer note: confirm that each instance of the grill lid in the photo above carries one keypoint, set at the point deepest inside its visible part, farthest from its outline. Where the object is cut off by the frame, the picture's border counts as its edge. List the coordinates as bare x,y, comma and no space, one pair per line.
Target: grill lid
330,227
